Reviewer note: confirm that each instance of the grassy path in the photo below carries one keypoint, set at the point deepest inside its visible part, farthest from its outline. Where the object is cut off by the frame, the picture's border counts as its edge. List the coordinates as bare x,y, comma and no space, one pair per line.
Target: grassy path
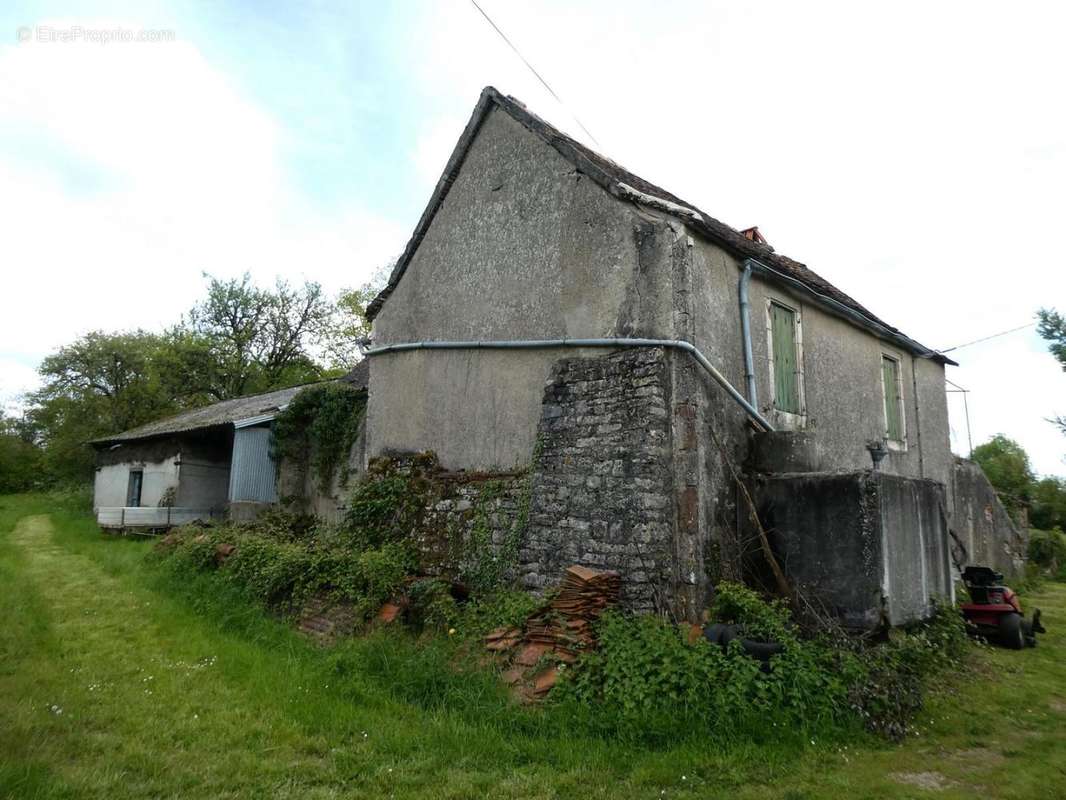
112,687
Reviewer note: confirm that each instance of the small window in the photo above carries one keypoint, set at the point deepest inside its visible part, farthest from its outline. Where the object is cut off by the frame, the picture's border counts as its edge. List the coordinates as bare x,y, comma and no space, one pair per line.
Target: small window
784,359
893,393
133,489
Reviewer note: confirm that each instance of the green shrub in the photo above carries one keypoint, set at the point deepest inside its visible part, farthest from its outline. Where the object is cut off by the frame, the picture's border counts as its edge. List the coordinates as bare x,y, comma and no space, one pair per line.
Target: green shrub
1047,550
384,508
647,680
652,682
505,608
431,605
318,428
892,678
736,604
268,569
281,573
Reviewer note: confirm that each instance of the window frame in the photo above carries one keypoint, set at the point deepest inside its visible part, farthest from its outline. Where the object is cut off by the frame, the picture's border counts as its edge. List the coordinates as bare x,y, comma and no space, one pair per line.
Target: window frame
787,419
139,471
900,444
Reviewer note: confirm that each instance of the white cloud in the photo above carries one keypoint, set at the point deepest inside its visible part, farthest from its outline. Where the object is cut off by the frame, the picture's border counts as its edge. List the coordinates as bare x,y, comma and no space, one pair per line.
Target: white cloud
186,177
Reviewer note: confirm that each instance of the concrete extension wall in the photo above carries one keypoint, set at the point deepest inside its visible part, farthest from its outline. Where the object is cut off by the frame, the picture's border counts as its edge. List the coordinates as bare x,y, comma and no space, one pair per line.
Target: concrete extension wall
867,546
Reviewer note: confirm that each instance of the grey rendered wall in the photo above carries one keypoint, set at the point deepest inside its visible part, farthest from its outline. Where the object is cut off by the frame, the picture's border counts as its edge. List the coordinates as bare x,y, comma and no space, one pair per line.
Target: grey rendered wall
203,484
842,373
522,247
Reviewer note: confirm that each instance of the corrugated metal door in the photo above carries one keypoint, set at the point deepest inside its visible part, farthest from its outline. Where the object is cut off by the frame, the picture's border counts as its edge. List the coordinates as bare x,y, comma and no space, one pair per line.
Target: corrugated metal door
252,476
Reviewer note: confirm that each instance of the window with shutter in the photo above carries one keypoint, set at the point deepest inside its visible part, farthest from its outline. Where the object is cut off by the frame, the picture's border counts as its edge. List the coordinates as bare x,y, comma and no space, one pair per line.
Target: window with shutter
893,398
785,359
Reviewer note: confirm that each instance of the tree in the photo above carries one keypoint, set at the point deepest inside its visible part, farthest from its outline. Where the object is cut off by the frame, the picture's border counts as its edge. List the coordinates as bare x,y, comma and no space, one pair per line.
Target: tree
100,384
351,329
1007,467
243,339
1049,503
20,458
1052,327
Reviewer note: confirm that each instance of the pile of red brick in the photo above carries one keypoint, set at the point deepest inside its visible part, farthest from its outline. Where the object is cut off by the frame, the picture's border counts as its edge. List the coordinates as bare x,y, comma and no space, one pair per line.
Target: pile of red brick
556,634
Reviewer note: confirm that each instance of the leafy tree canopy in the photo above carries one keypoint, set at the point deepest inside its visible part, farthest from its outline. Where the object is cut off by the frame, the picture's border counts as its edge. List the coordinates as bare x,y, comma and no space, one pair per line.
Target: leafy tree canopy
1007,466
243,339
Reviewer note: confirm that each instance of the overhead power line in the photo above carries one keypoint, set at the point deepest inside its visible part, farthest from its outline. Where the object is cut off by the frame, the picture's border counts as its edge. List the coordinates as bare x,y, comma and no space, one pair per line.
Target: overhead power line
986,338
536,74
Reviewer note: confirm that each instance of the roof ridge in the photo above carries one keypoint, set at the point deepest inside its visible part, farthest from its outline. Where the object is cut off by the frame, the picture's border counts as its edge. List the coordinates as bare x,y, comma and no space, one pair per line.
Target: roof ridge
628,186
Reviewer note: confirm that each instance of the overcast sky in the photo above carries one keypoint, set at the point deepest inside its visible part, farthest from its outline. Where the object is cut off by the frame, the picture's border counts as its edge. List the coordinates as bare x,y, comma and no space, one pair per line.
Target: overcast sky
912,153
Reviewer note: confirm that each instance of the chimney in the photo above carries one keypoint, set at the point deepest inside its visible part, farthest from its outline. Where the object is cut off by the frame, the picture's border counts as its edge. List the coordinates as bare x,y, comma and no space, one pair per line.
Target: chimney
753,234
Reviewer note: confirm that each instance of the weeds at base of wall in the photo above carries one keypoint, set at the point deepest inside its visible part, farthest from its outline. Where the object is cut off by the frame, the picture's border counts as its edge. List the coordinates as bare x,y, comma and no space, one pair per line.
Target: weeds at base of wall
649,681
653,678
490,567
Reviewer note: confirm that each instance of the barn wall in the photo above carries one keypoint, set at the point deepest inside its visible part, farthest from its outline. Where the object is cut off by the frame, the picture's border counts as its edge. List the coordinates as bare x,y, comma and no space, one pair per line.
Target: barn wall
112,482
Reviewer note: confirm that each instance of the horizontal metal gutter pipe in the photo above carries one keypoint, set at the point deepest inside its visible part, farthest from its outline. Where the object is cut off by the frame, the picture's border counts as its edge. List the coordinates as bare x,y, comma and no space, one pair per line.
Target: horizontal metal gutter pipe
543,344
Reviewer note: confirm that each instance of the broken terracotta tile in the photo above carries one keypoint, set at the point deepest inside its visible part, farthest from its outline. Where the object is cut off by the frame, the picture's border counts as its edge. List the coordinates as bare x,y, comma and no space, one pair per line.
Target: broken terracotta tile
388,613
531,654
513,675
544,680
695,633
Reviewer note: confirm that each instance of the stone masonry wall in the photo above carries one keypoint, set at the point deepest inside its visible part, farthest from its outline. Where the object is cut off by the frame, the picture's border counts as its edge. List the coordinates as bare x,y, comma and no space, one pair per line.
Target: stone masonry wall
983,533
472,514
602,489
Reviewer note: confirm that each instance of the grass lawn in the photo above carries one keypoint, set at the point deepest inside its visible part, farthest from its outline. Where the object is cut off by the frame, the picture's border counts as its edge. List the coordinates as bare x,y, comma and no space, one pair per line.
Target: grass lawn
116,683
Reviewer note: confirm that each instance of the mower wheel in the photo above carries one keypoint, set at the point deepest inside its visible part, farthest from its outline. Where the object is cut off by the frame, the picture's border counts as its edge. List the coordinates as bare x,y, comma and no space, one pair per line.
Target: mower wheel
1010,631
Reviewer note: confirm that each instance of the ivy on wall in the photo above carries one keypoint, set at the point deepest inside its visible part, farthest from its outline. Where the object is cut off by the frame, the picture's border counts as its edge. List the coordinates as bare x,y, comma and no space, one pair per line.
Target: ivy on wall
318,428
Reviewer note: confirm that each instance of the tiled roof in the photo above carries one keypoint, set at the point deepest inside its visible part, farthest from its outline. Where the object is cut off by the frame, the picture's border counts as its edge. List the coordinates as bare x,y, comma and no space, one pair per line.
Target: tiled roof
627,186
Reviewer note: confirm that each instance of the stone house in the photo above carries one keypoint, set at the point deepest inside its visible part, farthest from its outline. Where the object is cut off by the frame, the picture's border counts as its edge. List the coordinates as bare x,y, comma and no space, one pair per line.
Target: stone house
651,368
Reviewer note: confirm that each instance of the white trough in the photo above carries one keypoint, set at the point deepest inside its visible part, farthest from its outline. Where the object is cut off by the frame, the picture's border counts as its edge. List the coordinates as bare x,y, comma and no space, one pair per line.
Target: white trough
153,517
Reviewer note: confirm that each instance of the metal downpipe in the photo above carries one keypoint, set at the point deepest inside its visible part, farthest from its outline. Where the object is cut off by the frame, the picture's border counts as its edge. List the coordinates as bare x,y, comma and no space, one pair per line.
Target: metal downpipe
541,344
745,332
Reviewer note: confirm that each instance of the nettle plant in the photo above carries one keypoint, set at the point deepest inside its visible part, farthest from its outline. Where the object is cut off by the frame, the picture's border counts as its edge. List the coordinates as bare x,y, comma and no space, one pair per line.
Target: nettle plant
649,679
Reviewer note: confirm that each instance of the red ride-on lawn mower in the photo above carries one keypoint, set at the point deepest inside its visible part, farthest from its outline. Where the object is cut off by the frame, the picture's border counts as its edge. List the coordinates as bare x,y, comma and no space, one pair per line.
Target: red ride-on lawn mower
995,612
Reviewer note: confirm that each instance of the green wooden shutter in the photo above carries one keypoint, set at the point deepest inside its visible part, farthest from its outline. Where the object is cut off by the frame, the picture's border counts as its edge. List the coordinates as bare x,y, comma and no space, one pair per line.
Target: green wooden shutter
893,411
786,385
